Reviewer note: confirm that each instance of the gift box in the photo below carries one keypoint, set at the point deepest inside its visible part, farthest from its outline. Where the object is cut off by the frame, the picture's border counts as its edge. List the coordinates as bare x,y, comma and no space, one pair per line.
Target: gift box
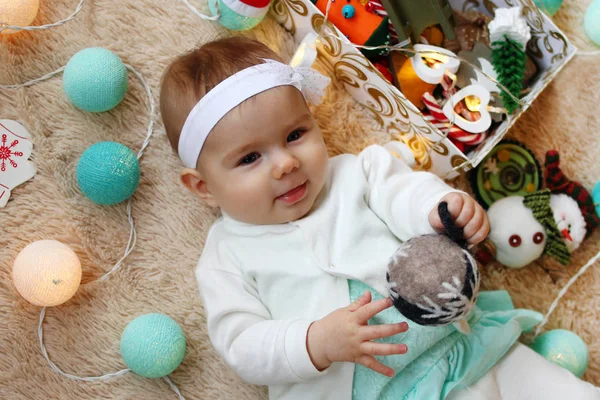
402,120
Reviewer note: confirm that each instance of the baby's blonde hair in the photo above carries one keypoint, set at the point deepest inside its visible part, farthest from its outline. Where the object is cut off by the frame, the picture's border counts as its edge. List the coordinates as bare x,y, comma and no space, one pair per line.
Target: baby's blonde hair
190,76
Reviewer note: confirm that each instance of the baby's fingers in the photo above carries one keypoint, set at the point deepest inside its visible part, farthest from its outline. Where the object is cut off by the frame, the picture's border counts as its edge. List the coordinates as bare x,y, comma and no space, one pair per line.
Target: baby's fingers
382,349
482,231
371,363
365,298
368,311
372,332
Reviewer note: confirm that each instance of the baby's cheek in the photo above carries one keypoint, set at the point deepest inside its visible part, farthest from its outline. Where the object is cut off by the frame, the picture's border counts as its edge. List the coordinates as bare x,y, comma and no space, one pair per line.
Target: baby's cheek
247,191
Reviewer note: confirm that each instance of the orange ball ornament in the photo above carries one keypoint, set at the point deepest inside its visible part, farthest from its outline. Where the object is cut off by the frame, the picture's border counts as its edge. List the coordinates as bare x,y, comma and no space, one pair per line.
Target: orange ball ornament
413,87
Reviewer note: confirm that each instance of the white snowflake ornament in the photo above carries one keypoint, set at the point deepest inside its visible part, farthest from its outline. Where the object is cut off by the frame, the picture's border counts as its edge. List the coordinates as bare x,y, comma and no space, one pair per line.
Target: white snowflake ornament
15,150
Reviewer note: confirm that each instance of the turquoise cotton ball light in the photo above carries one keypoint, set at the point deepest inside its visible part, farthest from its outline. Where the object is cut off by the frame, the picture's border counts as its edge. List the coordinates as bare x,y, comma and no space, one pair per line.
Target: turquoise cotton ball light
108,173
596,197
153,345
591,22
563,348
95,80
550,7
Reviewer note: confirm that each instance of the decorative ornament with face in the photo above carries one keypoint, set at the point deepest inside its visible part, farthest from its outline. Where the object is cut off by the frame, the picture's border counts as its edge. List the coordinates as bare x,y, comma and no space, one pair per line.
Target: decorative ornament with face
569,220
518,237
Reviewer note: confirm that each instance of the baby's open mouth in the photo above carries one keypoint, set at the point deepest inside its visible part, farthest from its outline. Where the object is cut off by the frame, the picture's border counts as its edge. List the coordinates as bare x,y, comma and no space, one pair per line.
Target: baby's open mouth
294,195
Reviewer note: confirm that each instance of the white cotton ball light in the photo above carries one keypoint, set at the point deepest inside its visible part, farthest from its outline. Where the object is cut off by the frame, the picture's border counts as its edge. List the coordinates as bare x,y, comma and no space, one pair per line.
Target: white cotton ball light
46,273
17,13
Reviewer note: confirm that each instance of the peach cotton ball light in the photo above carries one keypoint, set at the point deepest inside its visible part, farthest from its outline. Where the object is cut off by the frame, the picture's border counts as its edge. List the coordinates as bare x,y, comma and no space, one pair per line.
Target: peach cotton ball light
46,273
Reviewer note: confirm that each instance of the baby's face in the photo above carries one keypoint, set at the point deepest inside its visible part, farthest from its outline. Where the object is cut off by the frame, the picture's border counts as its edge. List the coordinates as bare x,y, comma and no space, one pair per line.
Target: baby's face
265,162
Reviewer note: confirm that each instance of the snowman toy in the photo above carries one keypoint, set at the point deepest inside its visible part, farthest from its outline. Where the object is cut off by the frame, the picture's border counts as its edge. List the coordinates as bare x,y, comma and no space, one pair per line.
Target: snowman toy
522,229
554,221
569,220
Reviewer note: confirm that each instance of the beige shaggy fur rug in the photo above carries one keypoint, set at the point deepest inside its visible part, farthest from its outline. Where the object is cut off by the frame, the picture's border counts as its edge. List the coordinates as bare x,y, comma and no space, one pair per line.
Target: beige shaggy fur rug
82,336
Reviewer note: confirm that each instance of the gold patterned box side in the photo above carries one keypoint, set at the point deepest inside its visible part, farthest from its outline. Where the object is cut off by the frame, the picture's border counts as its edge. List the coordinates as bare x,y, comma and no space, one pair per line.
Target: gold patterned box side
398,116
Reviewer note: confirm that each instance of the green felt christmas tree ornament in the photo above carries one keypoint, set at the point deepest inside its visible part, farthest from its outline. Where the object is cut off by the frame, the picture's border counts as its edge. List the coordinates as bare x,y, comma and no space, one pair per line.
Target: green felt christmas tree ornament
509,34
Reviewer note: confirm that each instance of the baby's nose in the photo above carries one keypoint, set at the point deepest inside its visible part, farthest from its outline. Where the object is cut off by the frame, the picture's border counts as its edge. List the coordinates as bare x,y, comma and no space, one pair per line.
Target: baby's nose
284,165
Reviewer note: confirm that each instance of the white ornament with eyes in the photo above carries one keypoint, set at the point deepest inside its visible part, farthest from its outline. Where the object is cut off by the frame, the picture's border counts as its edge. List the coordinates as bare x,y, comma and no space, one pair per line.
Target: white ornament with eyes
518,237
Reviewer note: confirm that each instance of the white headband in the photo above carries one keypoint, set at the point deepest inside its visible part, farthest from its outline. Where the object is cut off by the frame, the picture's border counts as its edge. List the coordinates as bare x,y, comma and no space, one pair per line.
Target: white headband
234,90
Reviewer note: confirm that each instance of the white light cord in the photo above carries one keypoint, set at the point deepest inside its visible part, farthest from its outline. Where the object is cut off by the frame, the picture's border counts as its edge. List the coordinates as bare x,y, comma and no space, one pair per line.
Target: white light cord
563,291
70,376
34,81
4,26
166,378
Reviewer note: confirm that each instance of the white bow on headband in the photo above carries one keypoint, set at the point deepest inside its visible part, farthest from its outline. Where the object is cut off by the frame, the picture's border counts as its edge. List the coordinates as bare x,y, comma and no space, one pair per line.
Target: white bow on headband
310,82
238,88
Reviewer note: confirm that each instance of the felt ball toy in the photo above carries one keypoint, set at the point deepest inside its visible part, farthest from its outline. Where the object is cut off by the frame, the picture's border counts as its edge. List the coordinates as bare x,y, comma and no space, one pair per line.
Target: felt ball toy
153,345
46,273
108,173
596,198
433,279
563,348
240,15
18,13
550,7
95,80
590,22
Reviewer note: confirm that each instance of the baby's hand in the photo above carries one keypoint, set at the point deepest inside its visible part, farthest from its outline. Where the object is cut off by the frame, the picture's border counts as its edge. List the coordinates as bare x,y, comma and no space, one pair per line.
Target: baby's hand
467,214
344,335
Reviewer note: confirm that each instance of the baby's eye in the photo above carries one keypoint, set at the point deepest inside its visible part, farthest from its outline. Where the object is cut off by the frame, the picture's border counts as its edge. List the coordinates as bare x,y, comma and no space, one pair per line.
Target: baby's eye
249,159
296,135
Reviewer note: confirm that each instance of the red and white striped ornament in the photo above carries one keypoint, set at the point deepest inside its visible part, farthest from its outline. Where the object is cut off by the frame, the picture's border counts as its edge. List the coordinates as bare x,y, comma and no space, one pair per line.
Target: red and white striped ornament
439,120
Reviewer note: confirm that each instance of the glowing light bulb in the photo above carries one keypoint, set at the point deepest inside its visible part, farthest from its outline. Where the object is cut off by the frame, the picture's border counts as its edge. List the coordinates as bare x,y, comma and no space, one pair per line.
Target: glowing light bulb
46,273
306,54
473,103
17,13
431,63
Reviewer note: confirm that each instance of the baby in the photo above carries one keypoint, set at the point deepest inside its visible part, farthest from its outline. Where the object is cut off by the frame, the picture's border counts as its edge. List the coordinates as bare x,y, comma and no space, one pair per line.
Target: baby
293,275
